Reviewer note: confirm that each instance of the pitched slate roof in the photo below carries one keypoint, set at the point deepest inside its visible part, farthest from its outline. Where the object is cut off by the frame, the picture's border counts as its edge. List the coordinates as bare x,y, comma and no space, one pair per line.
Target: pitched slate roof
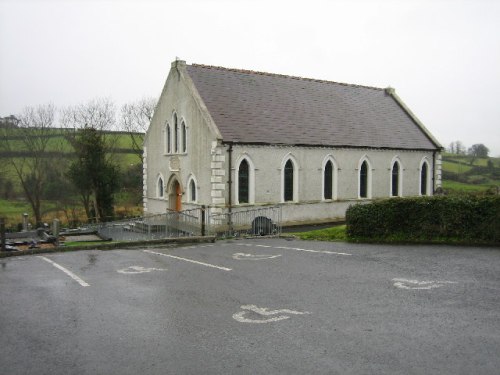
264,108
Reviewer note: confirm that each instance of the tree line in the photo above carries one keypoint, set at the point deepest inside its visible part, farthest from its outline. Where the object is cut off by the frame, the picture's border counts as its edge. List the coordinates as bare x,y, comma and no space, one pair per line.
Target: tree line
90,168
478,150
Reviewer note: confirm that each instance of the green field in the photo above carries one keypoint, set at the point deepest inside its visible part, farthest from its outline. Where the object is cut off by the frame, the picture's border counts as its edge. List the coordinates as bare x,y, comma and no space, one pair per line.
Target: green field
127,204
456,167
461,176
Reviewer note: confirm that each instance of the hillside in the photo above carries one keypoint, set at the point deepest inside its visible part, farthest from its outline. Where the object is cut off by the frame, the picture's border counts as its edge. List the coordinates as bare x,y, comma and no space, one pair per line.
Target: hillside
59,197
462,176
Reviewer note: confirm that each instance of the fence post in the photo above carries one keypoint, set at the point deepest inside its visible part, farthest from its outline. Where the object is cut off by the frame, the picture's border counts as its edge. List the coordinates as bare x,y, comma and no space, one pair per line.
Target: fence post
203,221
2,233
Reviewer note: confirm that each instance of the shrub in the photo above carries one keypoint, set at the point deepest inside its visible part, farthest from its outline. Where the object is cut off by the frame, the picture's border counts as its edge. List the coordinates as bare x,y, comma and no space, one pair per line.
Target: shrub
458,218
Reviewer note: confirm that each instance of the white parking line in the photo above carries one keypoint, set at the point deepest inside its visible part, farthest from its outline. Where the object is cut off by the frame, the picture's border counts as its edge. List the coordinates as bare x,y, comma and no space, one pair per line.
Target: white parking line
419,285
296,249
189,260
66,271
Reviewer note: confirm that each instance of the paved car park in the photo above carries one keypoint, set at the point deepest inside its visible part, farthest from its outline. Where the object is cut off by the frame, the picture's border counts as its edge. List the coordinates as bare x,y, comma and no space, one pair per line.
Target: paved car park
263,306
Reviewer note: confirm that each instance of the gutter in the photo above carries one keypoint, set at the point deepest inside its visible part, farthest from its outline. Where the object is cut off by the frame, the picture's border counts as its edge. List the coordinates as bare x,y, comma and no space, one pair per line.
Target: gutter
433,172
230,185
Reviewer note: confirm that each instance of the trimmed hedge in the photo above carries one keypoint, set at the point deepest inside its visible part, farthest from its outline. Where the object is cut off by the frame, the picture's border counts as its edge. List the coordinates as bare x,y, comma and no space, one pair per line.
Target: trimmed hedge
457,218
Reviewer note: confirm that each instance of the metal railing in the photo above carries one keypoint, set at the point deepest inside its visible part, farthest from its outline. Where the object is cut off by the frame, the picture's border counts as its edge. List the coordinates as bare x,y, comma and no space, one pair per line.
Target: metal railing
253,222
194,222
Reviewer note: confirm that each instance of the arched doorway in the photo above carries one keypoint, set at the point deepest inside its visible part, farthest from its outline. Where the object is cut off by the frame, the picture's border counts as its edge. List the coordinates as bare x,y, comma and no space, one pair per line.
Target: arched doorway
175,196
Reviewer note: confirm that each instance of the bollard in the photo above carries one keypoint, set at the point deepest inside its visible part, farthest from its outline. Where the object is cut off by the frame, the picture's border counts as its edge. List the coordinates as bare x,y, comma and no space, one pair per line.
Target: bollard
2,234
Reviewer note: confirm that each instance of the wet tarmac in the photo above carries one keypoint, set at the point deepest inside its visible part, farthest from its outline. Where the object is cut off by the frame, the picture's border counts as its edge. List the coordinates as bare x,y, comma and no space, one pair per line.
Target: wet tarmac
264,306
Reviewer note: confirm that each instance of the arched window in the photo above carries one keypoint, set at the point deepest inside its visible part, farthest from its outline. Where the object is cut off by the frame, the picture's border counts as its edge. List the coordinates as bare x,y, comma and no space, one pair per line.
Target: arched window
176,134
424,179
168,139
160,188
395,180
192,190
363,180
288,182
184,135
243,182
328,181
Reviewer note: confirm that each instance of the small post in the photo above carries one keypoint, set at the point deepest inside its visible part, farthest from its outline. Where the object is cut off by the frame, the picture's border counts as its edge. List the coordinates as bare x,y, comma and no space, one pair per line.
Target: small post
25,222
2,234
203,221
55,230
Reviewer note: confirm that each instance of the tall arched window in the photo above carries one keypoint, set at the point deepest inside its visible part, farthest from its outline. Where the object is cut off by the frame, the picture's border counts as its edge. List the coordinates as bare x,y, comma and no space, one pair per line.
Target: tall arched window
328,181
363,180
160,188
184,135
243,182
168,139
288,181
424,171
192,191
395,181
176,134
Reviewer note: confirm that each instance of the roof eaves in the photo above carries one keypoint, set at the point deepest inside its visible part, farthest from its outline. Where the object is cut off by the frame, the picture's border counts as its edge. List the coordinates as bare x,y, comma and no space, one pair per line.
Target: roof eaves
390,91
242,143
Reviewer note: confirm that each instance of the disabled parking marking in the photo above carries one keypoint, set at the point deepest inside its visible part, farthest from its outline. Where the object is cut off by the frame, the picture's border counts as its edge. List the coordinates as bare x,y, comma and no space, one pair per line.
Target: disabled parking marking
419,285
139,269
189,260
295,249
66,271
243,256
240,316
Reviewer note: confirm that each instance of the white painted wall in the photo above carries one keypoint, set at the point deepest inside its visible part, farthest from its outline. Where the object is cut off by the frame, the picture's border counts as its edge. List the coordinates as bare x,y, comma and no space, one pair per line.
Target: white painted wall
178,97
207,161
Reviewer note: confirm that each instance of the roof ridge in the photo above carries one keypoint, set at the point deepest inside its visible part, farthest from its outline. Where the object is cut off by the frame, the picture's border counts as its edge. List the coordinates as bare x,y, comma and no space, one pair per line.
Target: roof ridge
246,71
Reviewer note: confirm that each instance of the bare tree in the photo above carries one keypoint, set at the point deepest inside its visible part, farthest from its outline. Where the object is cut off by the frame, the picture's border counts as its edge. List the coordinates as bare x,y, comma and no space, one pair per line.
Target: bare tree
98,114
27,149
451,148
135,118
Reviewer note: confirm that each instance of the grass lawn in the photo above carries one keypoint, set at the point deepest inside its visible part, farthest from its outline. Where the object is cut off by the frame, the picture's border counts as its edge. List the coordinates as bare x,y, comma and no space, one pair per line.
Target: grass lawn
87,243
336,233
8,208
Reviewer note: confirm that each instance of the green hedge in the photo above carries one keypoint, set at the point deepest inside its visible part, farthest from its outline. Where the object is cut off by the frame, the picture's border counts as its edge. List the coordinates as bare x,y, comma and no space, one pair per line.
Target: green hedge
462,219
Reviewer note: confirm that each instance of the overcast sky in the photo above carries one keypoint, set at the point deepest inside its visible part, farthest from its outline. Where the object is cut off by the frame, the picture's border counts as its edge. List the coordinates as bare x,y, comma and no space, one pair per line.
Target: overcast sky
442,57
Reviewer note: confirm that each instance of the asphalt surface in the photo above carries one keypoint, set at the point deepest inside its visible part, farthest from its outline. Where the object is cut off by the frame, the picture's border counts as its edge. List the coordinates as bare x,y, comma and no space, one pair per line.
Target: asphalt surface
266,306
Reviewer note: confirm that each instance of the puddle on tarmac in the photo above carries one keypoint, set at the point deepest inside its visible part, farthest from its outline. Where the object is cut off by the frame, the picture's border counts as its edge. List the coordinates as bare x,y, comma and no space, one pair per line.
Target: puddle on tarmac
92,260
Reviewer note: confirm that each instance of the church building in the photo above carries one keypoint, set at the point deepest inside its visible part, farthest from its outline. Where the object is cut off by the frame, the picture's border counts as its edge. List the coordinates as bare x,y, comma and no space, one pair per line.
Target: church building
235,139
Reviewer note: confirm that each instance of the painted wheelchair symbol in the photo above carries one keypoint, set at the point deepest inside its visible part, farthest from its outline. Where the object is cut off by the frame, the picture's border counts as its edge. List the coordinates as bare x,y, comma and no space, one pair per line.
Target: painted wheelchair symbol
139,269
240,316
243,256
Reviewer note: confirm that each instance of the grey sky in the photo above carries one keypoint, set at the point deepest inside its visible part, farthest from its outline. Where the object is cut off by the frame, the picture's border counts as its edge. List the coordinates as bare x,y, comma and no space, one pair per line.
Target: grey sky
442,57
